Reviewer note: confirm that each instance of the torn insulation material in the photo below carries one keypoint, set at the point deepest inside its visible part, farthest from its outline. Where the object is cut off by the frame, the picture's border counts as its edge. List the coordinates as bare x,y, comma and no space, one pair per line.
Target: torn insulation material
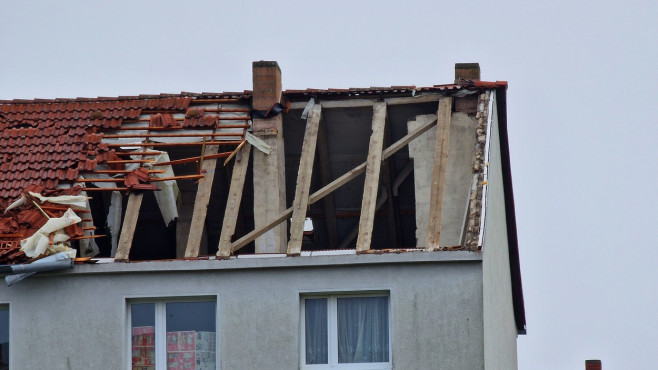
114,219
166,197
38,243
257,143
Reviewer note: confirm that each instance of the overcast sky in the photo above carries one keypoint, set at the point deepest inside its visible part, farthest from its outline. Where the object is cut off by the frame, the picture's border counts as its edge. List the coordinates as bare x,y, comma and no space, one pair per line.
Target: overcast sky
582,93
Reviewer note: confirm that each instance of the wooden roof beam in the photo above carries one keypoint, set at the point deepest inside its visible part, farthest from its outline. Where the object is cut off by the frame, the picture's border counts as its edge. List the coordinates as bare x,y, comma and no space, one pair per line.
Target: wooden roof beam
371,184
233,202
128,227
369,102
331,187
201,204
300,203
439,173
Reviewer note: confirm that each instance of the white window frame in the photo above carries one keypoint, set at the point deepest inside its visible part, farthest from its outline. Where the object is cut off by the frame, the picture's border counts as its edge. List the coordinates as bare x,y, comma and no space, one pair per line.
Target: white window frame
161,325
332,332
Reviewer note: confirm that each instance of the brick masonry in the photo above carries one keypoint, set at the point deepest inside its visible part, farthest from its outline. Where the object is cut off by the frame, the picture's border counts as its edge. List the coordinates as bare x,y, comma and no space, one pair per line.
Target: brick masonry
475,200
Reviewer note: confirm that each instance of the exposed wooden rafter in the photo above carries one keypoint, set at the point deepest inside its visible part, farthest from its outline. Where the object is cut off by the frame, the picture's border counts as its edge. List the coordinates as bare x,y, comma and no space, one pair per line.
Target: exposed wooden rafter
233,201
439,173
331,187
371,184
201,204
128,228
300,203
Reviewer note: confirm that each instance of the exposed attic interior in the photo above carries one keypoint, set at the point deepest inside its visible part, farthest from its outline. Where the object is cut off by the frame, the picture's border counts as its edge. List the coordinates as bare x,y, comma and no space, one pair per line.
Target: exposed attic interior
264,171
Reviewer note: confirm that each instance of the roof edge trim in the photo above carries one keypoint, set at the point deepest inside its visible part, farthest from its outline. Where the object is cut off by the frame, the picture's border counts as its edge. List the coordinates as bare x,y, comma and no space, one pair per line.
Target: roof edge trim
510,213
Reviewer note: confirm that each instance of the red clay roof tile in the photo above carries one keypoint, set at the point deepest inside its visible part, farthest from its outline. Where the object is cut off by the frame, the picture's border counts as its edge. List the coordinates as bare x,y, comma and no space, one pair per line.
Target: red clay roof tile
64,128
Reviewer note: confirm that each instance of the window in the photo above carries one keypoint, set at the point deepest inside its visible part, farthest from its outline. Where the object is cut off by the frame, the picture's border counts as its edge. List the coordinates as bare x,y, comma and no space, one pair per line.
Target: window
4,337
345,332
173,334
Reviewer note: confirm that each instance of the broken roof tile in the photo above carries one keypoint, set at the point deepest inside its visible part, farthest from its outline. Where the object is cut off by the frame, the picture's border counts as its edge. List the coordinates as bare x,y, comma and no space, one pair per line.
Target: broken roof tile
66,131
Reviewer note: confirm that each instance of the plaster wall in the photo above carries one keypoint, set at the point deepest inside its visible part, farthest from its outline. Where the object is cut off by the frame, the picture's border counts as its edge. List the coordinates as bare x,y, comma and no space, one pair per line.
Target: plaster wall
77,319
458,176
500,329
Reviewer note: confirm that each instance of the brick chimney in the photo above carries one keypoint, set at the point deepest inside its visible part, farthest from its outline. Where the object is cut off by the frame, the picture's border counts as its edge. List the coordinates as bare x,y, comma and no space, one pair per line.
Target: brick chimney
592,364
269,169
467,71
266,90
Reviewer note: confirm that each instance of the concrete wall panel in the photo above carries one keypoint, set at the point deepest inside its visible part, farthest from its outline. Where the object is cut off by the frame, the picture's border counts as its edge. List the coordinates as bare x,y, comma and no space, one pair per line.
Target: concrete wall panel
500,328
78,320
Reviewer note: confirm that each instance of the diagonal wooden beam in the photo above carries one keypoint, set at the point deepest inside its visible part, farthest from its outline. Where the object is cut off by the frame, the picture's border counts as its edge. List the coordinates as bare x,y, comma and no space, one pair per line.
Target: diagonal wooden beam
128,228
439,173
201,203
331,187
233,202
300,203
371,184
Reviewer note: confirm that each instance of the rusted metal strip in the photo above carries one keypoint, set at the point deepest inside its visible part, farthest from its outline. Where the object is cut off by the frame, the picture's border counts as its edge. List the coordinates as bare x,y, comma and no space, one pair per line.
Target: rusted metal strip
117,172
183,177
108,189
131,161
193,159
183,119
175,144
177,128
228,134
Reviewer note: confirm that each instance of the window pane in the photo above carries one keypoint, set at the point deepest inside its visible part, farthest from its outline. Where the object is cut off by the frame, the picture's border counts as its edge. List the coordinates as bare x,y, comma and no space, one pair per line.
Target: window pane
4,338
191,335
362,329
315,325
143,334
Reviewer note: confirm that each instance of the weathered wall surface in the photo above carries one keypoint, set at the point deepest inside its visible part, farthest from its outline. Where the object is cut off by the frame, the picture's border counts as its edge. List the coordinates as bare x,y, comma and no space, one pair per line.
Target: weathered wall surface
458,177
500,328
77,320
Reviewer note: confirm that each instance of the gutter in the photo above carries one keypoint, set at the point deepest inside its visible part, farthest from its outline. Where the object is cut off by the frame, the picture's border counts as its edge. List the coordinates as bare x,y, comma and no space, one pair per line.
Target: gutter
17,273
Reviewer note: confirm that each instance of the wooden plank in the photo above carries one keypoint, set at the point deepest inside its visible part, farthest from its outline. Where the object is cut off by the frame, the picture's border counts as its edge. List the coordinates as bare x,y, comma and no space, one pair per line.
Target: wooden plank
128,228
201,203
300,203
383,196
329,204
360,102
331,187
371,184
439,173
233,202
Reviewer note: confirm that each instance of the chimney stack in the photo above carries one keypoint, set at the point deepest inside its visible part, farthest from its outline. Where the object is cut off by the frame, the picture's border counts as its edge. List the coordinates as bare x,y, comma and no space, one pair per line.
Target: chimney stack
269,169
592,364
266,91
467,71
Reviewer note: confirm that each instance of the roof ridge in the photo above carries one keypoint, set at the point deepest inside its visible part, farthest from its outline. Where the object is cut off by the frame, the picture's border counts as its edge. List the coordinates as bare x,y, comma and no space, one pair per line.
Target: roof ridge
182,94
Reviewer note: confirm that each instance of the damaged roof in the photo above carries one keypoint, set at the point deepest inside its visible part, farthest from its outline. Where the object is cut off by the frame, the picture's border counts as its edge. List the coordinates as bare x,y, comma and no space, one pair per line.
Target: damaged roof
47,142
46,145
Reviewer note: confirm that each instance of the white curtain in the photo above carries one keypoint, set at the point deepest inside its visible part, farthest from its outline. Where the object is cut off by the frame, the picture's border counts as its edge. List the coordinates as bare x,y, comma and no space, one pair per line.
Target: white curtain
316,330
362,329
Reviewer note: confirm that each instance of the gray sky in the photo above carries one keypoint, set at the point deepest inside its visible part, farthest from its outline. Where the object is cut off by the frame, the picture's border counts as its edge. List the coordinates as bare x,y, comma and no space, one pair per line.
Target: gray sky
582,89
